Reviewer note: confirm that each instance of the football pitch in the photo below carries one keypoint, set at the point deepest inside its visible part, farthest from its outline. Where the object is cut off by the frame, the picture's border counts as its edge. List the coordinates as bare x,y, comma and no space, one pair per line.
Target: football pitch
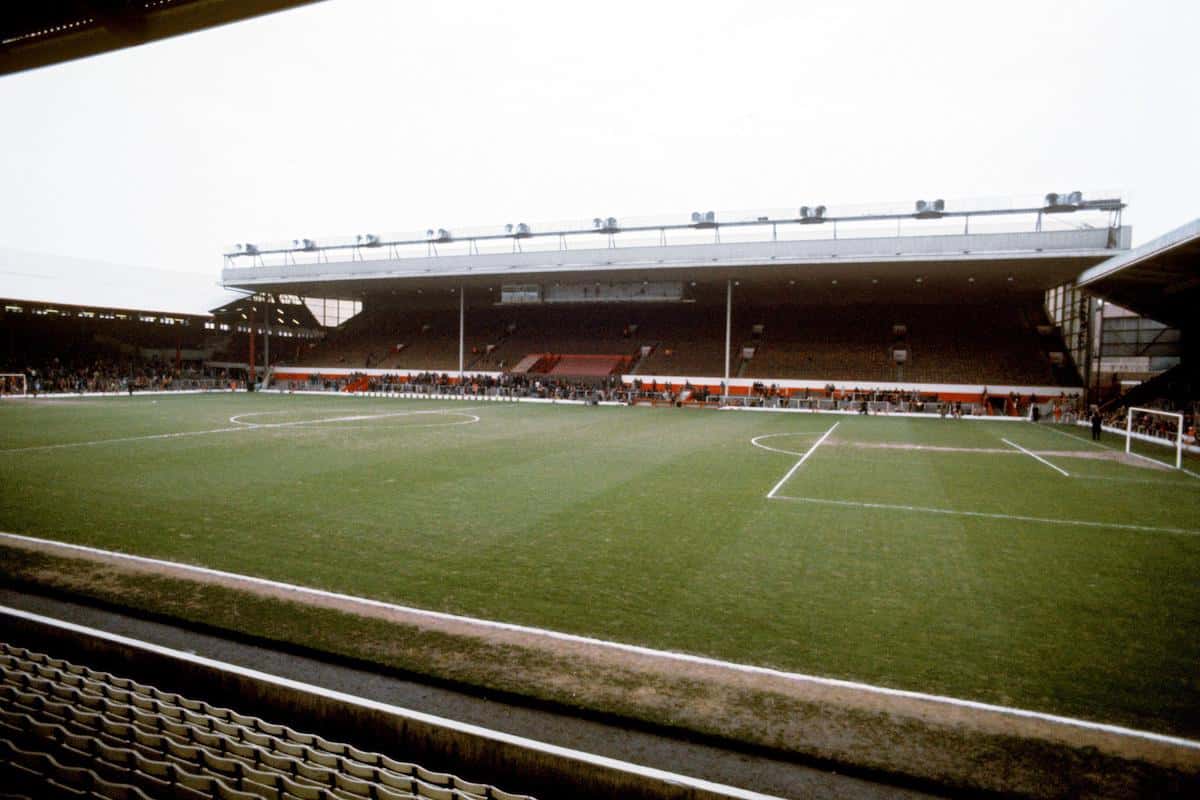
997,561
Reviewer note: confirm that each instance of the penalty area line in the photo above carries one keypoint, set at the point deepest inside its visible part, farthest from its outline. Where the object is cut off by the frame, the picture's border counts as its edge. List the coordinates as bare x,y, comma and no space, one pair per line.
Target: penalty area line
1039,458
1084,523
803,458
672,655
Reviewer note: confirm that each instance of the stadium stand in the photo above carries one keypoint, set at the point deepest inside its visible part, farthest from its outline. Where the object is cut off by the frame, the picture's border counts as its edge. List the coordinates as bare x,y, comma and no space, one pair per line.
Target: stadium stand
86,733
996,343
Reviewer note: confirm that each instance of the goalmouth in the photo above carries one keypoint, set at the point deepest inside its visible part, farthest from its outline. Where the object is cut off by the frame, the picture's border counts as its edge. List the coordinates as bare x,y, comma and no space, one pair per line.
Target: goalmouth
1171,423
12,384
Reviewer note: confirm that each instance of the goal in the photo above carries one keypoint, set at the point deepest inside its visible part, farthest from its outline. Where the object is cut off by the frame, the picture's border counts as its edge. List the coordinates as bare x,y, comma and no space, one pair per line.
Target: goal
12,384
1161,429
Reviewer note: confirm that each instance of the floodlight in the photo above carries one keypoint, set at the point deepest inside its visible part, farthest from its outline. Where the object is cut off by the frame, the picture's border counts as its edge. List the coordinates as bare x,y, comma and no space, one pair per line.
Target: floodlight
704,219
930,210
810,215
1061,202
251,250
518,230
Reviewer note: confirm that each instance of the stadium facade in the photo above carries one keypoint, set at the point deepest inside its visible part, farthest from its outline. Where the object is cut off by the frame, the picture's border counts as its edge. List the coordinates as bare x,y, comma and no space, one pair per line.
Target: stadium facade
901,292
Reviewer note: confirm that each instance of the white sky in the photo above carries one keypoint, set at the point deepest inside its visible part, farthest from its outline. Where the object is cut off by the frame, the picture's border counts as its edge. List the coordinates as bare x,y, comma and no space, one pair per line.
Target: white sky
353,116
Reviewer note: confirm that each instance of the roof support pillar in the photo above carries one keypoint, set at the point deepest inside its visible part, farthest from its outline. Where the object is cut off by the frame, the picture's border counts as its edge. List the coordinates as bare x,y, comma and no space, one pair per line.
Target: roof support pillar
267,341
462,319
728,331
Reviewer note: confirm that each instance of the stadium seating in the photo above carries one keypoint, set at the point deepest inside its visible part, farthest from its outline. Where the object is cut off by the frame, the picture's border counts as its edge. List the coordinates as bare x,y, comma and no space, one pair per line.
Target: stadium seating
980,343
76,732
962,344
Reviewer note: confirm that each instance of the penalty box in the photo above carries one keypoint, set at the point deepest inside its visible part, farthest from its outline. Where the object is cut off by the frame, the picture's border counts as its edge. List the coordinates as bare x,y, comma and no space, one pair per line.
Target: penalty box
1019,473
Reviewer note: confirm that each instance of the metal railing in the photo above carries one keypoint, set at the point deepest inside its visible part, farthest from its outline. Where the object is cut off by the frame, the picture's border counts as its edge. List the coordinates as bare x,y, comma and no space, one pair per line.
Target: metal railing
961,216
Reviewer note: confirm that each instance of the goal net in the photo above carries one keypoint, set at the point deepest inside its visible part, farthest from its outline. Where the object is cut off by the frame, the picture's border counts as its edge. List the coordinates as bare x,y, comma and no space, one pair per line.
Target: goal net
1155,435
12,383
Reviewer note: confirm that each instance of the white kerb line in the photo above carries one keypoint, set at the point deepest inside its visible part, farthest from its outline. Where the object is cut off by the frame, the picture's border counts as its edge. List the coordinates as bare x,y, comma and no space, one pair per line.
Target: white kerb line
803,458
627,648
1035,455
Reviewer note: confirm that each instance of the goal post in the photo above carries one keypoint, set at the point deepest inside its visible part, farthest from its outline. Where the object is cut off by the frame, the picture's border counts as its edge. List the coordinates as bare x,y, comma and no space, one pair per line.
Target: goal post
1165,422
12,384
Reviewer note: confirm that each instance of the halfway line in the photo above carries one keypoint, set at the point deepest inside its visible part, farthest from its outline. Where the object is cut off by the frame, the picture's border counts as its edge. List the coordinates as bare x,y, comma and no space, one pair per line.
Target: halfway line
989,515
1035,455
803,458
253,426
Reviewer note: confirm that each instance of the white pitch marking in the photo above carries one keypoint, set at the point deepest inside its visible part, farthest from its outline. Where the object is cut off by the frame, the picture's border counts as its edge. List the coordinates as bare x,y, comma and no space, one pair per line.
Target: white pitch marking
803,458
1039,458
1147,481
366,417
755,442
638,649
989,515
1106,447
1077,438
122,439
250,426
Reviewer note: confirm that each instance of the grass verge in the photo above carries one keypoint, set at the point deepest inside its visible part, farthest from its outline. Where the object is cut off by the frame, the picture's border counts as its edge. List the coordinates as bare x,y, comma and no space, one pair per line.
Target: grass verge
953,750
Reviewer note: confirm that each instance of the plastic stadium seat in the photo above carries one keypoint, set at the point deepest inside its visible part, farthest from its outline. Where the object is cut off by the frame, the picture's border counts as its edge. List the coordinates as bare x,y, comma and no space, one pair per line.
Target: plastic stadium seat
123,739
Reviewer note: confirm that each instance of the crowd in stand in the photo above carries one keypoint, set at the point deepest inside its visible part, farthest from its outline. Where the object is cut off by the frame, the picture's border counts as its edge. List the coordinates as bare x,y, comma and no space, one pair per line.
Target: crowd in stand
505,385
105,375
1156,425
112,375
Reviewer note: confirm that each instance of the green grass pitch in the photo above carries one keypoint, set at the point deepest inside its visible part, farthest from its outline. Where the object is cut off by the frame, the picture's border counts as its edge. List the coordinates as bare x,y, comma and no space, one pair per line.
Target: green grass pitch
1076,594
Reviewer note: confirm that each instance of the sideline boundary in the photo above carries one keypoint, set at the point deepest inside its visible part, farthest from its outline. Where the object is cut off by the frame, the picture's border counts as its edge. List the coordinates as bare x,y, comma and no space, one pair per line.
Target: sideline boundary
1117,730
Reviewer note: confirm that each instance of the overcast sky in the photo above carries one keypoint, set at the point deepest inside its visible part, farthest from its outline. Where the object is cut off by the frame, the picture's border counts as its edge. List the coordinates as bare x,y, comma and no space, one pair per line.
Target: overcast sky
354,116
